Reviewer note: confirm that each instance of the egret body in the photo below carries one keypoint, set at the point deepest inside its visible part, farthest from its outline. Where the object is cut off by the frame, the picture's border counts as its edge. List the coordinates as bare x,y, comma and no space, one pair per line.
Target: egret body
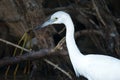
92,66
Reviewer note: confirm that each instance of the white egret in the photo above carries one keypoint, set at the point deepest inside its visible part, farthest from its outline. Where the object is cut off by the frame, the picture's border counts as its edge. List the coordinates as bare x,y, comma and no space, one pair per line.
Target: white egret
92,66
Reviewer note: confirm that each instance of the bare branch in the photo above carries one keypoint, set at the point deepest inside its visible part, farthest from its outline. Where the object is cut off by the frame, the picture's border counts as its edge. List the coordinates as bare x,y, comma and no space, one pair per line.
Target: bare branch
25,57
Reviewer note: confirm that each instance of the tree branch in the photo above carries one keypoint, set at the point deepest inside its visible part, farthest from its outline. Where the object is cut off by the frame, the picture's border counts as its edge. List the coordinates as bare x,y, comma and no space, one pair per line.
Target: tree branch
31,55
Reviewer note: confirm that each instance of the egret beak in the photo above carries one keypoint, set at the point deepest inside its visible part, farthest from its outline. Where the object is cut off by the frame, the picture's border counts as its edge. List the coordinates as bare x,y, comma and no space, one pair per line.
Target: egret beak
49,22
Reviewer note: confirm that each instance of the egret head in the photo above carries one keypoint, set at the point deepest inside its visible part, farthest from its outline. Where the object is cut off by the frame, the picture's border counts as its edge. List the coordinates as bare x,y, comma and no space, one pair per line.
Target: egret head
57,18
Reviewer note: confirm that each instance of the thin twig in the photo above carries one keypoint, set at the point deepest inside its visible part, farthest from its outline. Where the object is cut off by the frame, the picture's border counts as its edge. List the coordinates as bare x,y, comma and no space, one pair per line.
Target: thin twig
98,13
57,67
61,30
15,45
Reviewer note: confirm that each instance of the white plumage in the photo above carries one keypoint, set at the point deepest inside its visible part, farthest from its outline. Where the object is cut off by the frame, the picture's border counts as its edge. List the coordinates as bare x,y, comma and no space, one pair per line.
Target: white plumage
92,66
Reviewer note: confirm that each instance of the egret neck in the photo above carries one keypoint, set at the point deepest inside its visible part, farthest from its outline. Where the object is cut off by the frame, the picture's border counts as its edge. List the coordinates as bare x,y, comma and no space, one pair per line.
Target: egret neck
74,52
70,41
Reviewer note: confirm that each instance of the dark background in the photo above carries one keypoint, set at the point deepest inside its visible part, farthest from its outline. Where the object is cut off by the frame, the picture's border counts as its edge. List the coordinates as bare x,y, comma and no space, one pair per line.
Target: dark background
97,25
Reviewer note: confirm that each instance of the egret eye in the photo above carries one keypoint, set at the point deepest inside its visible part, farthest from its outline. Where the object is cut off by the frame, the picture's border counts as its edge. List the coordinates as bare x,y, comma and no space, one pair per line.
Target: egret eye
56,18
